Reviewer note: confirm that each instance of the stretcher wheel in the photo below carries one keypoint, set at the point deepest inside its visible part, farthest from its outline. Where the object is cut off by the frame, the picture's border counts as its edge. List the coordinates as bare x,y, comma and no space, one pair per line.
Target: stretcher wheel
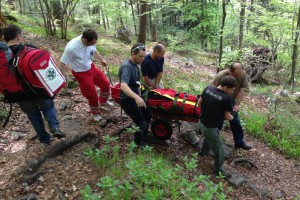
162,129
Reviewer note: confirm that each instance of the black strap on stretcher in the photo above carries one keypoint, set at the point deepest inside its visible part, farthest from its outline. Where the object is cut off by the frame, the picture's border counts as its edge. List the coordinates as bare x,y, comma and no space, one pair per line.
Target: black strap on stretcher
195,106
174,107
183,104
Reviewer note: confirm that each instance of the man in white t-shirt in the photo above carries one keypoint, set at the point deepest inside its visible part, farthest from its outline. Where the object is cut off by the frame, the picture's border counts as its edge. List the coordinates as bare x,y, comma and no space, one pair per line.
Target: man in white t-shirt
79,54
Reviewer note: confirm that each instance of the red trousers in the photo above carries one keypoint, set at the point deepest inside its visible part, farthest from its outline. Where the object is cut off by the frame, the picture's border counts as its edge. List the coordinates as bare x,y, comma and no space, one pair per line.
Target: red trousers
87,82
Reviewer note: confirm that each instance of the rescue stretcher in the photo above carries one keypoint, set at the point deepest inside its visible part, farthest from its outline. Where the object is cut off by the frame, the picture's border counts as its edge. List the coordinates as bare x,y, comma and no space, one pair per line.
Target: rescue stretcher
168,108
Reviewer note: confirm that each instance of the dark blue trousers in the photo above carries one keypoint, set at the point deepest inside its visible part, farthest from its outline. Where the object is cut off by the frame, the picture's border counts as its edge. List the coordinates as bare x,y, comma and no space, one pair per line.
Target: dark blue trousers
236,128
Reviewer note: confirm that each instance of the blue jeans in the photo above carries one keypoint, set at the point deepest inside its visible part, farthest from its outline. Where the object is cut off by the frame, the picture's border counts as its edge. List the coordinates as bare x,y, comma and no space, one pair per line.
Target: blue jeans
33,109
236,128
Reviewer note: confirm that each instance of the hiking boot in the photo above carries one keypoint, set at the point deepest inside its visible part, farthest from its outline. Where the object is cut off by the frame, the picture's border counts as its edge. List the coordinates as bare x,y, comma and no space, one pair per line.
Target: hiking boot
107,104
203,153
44,137
222,173
243,146
152,139
57,133
96,117
140,144
46,144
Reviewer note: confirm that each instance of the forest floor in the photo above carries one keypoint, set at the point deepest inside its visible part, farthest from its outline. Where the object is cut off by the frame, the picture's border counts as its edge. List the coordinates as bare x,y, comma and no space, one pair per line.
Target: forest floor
62,177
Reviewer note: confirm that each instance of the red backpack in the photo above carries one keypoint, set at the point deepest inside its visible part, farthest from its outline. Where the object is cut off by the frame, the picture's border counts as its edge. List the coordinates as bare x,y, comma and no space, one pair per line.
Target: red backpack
38,69
11,87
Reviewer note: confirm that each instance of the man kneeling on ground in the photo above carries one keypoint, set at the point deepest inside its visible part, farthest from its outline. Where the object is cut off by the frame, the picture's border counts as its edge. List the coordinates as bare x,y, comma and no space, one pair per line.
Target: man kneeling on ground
215,104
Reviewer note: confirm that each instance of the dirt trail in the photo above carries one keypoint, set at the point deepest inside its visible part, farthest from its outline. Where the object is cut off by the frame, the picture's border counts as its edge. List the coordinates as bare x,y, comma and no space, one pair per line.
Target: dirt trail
62,177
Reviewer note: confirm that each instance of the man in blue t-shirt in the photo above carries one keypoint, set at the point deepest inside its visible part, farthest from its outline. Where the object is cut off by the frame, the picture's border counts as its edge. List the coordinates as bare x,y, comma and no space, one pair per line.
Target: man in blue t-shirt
215,104
152,67
131,100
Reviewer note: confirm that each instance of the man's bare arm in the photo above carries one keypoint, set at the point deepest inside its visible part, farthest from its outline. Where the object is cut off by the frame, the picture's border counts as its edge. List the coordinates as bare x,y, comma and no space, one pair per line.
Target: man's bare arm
148,82
126,89
228,116
200,101
239,99
100,58
65,69
158,78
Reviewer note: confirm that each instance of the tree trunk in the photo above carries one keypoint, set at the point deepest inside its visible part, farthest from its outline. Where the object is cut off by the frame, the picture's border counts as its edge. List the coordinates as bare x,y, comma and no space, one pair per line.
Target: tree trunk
221,33
250,13
138,6
154,31
149,21
133,17
203,34
68,8
242,22
20,5
103,17
142,22
107,22
23,7
121,17
295,52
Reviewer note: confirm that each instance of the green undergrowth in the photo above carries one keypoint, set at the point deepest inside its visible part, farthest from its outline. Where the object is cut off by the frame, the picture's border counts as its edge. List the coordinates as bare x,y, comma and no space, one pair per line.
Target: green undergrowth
279,126
278,130
144,174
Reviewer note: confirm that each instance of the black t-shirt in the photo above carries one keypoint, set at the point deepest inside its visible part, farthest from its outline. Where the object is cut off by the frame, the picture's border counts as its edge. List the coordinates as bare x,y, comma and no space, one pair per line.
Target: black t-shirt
214,104
129,73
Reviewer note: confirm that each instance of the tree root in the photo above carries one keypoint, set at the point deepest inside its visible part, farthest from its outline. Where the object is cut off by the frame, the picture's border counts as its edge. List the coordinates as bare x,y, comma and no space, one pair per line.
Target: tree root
109,120
122,130
30,196
244,160
29,173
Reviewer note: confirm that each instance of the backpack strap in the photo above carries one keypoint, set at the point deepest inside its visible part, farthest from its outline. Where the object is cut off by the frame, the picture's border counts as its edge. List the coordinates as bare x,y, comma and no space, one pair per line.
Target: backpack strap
183,103
173,108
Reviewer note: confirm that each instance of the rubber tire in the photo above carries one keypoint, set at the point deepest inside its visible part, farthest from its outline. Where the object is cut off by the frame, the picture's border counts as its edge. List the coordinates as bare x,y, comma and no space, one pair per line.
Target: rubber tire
162,129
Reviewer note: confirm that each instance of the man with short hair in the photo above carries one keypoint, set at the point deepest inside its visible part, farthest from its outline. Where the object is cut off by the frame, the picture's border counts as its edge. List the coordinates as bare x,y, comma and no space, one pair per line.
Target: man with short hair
130,95
79,54
236,70
215,104
33,107
152,67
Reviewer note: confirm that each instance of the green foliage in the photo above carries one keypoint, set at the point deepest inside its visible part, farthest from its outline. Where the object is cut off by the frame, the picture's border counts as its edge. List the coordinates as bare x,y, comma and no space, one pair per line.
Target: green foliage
31,24
107,47
146,175
203,26
183,82
274,129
